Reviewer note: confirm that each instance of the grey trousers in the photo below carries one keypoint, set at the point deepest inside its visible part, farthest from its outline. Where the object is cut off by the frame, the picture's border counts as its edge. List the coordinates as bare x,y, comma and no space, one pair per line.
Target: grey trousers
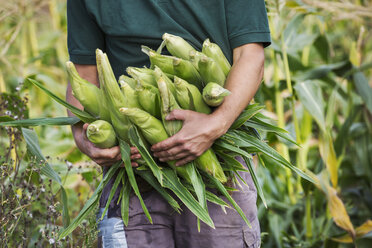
173,230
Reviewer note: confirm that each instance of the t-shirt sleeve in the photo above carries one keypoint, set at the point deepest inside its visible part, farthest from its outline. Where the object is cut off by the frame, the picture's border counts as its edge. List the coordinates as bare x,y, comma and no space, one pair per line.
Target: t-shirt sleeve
84,36
247,22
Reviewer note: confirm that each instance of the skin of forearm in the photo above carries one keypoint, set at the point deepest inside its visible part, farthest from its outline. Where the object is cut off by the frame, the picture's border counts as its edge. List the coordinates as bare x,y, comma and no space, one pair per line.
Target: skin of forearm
243,81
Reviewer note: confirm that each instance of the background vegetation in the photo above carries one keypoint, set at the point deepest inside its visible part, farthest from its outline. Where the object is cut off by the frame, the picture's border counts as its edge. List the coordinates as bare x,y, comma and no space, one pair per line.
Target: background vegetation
317,85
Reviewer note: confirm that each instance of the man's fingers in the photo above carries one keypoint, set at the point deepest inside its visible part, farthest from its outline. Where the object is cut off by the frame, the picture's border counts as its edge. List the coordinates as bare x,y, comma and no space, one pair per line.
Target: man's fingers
166,144
108,153
133,164
167,153
135,156
133,150
177,114
178,156
185,160
85,126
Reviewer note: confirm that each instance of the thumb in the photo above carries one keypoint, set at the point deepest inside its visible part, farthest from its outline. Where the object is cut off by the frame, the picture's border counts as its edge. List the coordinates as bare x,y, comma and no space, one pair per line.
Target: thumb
177,114
85,126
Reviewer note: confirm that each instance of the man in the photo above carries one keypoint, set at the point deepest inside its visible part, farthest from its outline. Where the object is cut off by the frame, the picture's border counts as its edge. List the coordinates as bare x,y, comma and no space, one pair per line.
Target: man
119,27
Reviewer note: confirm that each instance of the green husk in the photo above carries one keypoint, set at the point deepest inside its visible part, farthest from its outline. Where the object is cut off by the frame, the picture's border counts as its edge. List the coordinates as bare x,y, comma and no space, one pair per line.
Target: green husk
88,94
149,99
214,94
160,74
185,70
144,74
213,51
130,95
211,71
152,128
177,46
168,104
131,81
101,134
113,96
209,163
164,62
195,57
189,97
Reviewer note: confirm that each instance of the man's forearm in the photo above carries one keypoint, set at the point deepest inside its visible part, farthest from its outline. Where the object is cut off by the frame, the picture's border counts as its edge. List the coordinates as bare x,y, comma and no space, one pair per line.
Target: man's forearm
243,81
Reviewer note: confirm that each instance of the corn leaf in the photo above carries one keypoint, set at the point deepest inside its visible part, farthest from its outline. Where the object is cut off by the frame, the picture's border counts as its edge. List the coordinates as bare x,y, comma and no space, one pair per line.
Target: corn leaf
125,201
136,141
225,145
260,146
6,118
252,171
250,111
360,231
328,154
311,97
198,186
256,123
125,154
150,178
82,115
210,197
56,121
338,211
223,191
230,161
363,88
172,182
34,149
113,190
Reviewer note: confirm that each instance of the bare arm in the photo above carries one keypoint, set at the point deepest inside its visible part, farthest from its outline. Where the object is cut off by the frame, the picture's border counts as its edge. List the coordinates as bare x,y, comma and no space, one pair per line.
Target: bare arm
104,157
200,130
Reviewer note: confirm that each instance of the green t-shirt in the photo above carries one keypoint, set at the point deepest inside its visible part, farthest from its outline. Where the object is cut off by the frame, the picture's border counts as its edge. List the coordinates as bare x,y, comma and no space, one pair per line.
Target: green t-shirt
120,27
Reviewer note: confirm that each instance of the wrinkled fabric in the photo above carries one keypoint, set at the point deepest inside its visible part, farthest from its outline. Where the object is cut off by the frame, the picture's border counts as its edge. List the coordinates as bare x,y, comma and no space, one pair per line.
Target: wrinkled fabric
173,230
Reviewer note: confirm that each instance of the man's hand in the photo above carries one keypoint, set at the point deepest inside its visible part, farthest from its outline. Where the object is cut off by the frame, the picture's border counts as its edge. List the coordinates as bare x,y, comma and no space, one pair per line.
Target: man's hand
103,157
197,134
199,130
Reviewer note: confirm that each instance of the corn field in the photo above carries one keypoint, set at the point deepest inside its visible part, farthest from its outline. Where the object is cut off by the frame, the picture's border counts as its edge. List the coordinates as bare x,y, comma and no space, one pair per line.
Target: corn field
317,85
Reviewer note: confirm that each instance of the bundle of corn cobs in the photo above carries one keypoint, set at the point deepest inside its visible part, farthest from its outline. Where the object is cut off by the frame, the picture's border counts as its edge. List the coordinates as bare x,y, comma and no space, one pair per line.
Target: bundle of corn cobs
132,112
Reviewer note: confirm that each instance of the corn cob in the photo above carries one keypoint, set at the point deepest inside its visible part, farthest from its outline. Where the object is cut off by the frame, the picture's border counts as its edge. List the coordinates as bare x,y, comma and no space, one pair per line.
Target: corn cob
189,97
149,99
209,163
168,104
214,94
130,95
211,71
195,57
160,74
213,51
185,70
153,131
177,46
101,134
145,74
164,62
131,81
87,93
152,128
113,96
